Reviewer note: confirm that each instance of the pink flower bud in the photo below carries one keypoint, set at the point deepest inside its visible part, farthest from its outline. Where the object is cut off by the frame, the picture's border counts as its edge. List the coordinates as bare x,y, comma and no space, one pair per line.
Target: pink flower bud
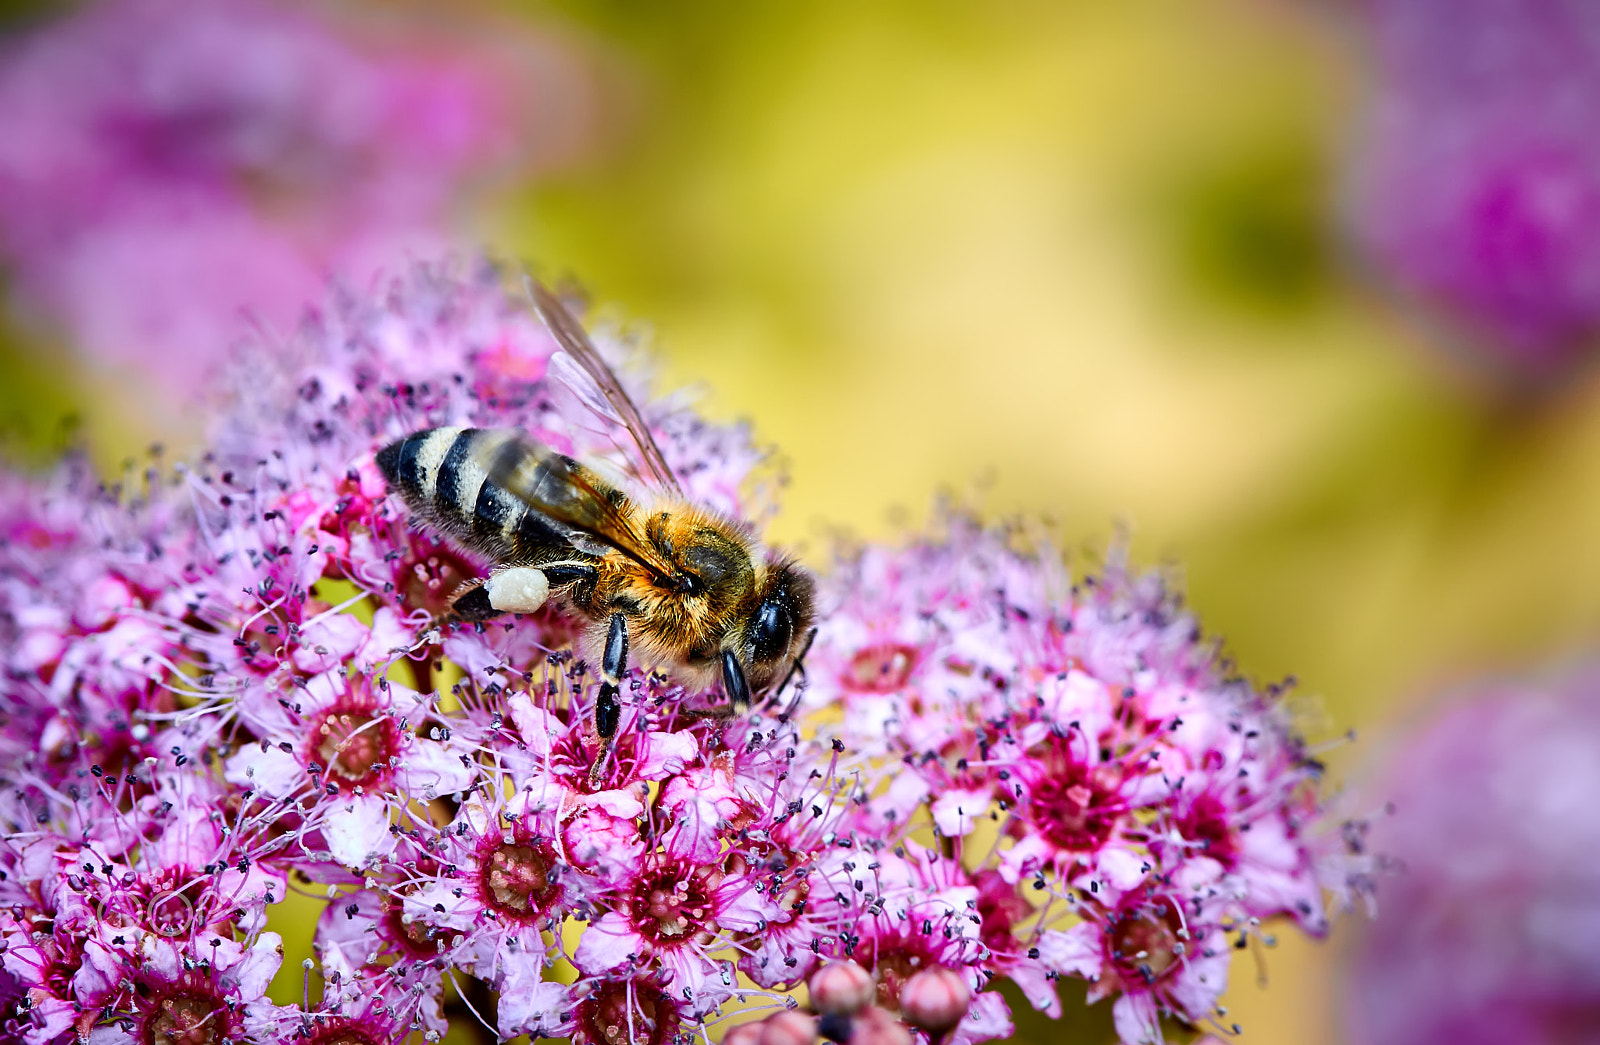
935,999
743,1034
788,1028
841,987
875,1026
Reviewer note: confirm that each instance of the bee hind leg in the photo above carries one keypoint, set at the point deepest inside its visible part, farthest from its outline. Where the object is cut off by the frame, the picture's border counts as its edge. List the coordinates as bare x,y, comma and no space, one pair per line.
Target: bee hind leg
607,708
509,589
470,602
516,589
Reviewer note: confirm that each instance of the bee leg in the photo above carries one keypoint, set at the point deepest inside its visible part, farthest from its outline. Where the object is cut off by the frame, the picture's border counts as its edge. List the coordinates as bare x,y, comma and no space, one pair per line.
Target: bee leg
470,602
720,713
734,683
579,579
516,589
607,708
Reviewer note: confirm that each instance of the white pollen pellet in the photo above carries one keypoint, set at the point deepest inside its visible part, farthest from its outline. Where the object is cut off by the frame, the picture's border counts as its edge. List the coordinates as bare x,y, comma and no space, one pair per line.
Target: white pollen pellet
517,589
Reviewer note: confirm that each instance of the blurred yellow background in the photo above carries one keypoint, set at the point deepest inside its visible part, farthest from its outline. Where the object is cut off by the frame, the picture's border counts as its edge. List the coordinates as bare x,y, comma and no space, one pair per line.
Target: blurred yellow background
1084,256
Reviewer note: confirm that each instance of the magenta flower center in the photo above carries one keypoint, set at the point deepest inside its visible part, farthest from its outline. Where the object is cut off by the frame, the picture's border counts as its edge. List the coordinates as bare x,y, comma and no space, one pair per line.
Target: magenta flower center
355,745
1000,909
186,1019
1207,826
431,575
604,1019
893,966
1073,807
670,908
1145,942
412,937
517,879
172,914
883,668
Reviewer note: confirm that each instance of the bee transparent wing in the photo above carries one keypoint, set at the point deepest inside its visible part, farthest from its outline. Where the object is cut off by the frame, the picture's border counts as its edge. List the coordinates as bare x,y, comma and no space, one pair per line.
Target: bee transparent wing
597,414
602,386
566,492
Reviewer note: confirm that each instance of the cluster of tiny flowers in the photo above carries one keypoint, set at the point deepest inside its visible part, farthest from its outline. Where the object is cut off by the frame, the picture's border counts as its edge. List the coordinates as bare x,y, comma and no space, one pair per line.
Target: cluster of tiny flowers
230,680
1490,930
1477,188
1081,788
166,165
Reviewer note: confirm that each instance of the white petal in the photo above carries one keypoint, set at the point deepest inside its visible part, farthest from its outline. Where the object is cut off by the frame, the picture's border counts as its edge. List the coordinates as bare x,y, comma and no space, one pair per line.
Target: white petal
252,975
606,945
1136,1020
1074,952
430,764
357,830
955,811
274,772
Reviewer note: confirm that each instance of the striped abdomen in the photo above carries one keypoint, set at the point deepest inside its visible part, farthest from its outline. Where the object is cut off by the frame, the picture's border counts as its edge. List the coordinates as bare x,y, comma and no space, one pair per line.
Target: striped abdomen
440,475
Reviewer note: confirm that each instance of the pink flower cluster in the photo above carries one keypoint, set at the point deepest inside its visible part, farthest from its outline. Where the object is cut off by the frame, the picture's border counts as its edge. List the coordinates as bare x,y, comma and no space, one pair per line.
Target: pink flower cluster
1477,189
226,681
167,166
1490,927
1105,800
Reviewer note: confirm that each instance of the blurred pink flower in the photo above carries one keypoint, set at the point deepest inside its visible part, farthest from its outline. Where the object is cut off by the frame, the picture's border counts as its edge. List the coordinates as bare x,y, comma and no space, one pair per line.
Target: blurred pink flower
169,166
1477,188
1490,932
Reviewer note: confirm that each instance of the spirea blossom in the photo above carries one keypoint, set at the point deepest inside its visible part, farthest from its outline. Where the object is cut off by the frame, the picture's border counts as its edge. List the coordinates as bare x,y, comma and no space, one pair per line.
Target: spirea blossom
231,678
1477,188
1490,926
167,166
1082,788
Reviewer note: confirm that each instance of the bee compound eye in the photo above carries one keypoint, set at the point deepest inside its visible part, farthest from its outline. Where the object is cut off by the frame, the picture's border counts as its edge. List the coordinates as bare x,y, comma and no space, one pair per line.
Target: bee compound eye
774,630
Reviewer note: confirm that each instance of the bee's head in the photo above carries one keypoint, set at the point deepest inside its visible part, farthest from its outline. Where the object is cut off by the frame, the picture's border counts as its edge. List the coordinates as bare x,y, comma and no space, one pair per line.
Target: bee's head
774,633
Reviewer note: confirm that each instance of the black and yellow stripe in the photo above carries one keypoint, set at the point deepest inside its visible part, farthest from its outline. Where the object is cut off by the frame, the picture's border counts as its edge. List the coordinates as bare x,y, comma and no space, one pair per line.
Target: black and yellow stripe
439,473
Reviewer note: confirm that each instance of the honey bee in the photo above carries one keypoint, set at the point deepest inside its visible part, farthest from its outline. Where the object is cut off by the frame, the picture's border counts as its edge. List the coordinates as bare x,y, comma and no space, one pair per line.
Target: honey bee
676,584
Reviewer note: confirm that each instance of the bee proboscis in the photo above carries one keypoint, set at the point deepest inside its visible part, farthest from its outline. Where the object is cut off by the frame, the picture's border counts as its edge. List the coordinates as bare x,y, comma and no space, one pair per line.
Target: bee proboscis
672,583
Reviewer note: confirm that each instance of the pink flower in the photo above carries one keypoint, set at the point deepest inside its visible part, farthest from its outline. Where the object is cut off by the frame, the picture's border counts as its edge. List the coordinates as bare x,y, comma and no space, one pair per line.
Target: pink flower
1092,725
638,1010
1477,190
1157,947
245,683
167,166
148,989
1488,925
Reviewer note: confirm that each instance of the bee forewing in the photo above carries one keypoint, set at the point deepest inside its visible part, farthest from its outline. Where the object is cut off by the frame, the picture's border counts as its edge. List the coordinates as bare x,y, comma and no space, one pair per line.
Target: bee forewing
569,333
529,471
564,491
591,409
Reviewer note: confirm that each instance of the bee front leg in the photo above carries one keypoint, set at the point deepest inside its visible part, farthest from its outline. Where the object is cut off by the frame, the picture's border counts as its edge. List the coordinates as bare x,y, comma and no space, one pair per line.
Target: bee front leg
607,708
734,683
